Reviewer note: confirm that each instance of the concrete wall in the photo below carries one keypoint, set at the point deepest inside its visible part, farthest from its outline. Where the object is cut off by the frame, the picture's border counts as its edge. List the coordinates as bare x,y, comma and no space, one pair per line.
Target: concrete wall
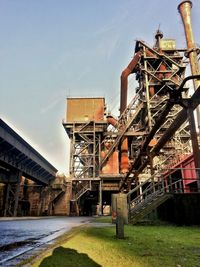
183,209
62,205
37,200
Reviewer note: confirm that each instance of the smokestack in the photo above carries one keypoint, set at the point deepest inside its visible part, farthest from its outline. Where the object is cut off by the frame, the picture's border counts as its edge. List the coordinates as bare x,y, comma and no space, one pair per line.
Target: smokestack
184,9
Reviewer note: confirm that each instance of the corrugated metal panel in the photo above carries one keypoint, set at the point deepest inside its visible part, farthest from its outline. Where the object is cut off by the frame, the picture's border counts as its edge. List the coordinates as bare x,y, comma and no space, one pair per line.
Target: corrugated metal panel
167,44
85,109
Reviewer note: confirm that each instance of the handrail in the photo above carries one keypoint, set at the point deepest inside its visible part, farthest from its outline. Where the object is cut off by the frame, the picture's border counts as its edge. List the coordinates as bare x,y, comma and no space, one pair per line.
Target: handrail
85,187
140,185
143,197
156,188
122,132
142,201
167,169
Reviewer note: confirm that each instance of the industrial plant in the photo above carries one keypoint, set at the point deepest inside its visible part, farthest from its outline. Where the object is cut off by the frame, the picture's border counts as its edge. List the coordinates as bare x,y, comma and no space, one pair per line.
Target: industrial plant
150,152
146,158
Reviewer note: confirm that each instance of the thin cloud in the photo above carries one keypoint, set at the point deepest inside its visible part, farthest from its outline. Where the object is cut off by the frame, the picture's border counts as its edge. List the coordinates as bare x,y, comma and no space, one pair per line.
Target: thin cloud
107,47
56,99
82,74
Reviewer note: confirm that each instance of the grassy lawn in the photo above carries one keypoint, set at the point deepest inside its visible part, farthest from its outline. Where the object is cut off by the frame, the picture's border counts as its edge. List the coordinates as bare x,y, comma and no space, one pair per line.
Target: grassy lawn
103,219
167,246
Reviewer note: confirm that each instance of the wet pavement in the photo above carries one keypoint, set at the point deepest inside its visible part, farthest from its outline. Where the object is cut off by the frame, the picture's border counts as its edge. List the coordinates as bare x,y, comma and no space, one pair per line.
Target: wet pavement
21,238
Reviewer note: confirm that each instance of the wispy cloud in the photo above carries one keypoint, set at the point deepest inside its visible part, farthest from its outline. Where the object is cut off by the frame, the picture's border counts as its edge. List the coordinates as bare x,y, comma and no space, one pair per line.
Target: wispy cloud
107,47
109,34
54,101
82,74
116,22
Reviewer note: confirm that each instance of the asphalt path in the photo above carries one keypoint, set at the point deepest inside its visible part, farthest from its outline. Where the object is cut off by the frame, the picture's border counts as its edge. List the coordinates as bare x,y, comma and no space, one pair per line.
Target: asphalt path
21,238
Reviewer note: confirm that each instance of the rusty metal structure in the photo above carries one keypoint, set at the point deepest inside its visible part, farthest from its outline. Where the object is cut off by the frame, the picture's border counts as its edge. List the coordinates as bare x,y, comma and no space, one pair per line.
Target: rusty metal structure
155,130
27,180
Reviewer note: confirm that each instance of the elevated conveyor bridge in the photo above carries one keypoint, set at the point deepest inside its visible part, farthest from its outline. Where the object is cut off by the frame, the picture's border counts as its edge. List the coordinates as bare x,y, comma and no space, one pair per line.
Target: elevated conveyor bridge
20,162
17,155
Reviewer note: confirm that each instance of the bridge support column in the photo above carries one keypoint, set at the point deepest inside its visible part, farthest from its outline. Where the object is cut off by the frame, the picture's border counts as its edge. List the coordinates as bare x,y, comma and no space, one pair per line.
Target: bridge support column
12,195
16,197
8,188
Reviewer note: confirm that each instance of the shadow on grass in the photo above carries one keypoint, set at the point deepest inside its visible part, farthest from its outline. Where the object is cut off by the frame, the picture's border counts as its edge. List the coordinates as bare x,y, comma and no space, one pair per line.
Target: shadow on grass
67,257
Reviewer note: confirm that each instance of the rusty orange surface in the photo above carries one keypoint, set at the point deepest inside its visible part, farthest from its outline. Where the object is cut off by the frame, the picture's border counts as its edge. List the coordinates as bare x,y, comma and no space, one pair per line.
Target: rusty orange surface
112,165
85,109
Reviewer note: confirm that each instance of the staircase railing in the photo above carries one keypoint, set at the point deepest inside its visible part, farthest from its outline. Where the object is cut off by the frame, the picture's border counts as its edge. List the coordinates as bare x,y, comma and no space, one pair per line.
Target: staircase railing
59,190
85,186
122,131
153,192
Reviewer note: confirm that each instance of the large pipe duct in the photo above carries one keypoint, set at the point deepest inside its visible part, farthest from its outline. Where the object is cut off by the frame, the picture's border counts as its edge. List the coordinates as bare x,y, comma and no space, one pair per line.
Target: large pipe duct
124,161
111,120
184,9
124,81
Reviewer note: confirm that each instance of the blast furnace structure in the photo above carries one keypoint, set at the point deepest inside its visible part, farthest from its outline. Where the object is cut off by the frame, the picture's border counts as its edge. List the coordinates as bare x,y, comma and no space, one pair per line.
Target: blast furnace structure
111,154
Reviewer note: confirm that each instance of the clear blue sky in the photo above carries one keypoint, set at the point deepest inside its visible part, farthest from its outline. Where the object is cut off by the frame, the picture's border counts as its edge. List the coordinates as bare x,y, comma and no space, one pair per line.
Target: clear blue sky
51,49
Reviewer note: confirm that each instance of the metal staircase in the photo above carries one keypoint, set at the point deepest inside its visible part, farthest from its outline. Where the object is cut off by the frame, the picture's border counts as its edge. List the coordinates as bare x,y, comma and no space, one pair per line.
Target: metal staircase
152,193
59,190
125,122
82,188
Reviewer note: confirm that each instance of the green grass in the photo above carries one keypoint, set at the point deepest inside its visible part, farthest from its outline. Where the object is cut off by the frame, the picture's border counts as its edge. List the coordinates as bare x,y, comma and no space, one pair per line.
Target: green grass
103,219
144,246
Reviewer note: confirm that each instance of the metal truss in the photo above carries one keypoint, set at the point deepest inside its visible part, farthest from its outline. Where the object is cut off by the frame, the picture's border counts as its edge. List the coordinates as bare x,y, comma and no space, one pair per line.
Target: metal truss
85,151
164,72
12,197
17,154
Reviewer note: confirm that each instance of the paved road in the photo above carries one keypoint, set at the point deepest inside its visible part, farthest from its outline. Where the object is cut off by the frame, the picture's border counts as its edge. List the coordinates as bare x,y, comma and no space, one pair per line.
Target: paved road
22,237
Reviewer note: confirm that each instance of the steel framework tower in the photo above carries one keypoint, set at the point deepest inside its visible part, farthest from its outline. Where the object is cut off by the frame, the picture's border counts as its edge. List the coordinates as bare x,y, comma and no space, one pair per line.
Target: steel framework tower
109,154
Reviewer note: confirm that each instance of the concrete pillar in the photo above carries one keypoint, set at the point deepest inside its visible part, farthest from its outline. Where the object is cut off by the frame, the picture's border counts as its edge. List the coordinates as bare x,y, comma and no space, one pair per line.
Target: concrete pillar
123,207
120,228
114,207
7,200
17,193
122,214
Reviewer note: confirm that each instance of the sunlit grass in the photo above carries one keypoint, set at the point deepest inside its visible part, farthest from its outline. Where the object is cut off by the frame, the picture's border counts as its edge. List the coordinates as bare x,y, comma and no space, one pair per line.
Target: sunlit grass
166,246
103,219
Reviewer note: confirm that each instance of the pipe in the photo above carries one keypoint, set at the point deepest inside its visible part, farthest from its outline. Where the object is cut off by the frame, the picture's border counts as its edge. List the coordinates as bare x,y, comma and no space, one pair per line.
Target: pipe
184,9
124,160
111,120
124,80
151,91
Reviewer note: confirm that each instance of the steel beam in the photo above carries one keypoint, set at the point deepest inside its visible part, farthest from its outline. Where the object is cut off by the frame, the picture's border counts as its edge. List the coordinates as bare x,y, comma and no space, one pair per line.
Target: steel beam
20,148
178,121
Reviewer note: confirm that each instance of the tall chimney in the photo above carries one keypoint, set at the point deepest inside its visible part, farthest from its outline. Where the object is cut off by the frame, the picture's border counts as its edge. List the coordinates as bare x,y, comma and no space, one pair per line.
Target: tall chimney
184,9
